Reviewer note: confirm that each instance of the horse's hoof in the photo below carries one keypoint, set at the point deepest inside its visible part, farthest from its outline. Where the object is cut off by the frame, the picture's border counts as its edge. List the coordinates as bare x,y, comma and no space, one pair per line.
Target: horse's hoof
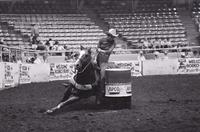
49,112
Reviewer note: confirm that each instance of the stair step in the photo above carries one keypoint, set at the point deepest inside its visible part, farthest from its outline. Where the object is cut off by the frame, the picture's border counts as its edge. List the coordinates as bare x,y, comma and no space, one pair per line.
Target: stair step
191,29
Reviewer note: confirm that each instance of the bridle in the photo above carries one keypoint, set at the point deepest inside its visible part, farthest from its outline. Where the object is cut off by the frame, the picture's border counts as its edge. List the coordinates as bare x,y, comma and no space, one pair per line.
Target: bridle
79,72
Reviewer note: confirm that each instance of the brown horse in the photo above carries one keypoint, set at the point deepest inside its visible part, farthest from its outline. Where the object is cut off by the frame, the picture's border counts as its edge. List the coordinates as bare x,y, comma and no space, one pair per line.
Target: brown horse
83,84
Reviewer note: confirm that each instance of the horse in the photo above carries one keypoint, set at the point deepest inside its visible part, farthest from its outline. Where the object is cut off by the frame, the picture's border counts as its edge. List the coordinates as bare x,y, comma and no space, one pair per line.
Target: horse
85,82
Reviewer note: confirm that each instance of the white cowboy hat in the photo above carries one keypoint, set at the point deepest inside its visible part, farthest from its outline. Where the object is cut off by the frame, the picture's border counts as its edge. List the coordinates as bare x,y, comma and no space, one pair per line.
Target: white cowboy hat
156,53
183,54
113,32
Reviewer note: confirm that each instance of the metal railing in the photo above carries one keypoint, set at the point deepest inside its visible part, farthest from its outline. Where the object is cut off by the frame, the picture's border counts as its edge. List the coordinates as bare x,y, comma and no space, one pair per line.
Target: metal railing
19,53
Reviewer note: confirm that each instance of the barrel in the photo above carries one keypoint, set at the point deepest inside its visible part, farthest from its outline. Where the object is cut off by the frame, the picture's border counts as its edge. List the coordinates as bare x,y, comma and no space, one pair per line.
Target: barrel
118,88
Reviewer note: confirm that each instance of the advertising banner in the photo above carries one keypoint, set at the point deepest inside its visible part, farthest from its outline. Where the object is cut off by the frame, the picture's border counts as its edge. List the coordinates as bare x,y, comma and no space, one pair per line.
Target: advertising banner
61,71
2,77
118,90
25,74
39,72
188,66
11,74
135,66
160,67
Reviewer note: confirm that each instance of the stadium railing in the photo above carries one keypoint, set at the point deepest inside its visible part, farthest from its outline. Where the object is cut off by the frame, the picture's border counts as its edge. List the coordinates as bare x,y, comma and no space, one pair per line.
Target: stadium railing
19,53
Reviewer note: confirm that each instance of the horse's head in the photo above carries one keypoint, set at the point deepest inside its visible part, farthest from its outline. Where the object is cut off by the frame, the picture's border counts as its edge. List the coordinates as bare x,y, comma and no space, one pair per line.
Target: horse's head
84,58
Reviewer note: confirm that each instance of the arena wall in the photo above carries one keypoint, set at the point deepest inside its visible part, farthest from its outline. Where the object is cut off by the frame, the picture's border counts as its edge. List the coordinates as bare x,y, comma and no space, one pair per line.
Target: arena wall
13,74
160,67
2,75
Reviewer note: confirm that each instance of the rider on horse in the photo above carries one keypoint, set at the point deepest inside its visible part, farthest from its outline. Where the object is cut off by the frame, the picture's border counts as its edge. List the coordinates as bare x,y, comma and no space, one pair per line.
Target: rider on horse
104,49
86,81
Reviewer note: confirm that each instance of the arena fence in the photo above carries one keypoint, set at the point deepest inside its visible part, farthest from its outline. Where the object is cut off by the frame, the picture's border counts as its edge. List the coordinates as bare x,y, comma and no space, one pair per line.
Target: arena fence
13,74
12,54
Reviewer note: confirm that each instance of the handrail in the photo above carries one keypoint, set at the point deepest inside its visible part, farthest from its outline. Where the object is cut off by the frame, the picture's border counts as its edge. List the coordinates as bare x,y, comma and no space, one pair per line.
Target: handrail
115,50
19,52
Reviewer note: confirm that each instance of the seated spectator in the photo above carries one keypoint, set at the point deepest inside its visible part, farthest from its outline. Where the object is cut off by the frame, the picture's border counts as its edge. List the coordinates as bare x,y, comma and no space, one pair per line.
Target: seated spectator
5,54
162,43
182,54
54,47
2,41
34,46
60,48
150,45
41,46
168,43
19,60
187,55
49,44
156,43
66,47
195,54
13,59
145,43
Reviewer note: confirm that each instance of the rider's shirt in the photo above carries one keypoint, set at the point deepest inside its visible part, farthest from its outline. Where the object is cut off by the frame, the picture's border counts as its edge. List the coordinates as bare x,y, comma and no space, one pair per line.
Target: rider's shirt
106,43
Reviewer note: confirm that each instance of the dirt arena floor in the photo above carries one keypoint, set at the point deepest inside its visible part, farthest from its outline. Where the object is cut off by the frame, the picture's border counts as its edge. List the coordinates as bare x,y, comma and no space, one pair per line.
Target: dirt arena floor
159,104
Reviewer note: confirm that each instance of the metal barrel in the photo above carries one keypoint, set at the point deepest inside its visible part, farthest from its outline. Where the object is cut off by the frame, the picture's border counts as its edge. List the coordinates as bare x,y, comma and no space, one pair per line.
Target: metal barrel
118,88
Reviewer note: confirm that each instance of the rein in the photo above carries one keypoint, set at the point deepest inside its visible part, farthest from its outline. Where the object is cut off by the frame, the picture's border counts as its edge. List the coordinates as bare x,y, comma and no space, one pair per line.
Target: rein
79,72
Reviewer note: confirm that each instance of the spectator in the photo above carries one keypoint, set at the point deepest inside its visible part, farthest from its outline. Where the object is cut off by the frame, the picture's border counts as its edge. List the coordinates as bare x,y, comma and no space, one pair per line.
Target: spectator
34,46
36,59
165,55
162,43
55,47
66,47
5,54
47,43
145,43
34,33
182,54
168,43
141,56
156,54
150,43
60,48
19,60
41,46
187,55
156,43
13,59
2,41
195,54
51,44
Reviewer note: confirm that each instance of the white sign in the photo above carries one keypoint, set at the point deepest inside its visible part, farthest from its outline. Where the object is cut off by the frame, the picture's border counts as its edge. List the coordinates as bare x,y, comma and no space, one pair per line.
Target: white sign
118,90
61,71
134,66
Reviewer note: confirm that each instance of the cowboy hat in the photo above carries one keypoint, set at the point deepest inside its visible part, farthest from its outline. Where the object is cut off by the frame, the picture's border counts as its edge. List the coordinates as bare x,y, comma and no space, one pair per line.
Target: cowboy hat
112,32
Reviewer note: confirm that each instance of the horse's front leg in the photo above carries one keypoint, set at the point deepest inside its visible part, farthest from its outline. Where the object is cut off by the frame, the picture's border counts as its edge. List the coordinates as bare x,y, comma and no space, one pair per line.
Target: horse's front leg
68,92
70,100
